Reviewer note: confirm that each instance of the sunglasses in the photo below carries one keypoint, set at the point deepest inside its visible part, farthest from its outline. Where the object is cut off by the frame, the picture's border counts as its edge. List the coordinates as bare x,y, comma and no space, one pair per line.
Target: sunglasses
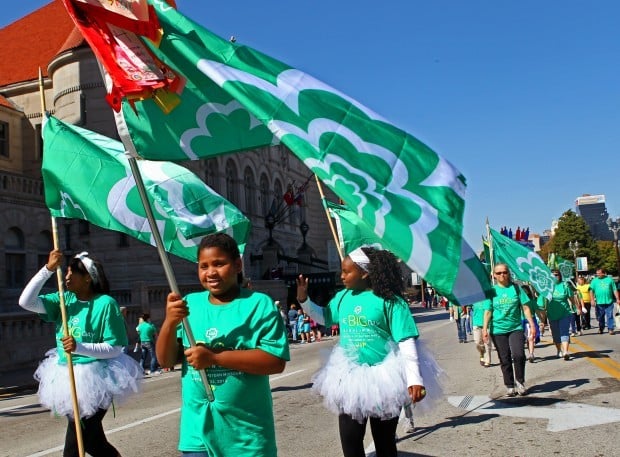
501,273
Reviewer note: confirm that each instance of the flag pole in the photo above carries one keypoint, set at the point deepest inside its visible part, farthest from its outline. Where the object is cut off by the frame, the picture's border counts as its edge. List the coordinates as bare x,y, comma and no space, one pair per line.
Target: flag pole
491,261
63,309
329,219
165,261
131,153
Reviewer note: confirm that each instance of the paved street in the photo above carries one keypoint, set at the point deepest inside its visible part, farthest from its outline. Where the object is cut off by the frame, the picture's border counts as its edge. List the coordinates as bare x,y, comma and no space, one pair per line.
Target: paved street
573,406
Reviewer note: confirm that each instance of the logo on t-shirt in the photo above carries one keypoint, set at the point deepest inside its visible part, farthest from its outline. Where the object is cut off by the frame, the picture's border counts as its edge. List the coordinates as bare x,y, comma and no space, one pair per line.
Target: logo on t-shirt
211,333
357,309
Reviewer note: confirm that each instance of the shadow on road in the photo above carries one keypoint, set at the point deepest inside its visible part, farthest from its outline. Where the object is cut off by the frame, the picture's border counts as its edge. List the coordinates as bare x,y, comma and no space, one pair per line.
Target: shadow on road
453,421
289,388
553,386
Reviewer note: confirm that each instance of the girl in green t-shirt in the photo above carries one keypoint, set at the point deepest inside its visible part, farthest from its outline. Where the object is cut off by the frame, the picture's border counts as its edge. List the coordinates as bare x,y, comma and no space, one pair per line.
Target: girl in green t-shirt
241,340
376,368
97,335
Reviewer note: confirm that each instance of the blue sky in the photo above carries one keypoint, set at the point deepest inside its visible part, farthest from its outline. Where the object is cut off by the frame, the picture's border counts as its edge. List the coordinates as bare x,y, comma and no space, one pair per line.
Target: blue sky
522,97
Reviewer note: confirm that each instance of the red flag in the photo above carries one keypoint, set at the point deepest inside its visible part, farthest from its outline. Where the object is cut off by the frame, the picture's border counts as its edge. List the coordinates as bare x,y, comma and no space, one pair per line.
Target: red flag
112,29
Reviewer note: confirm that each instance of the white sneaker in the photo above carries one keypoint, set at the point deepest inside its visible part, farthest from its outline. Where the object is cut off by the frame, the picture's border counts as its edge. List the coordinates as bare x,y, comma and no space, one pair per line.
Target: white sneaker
510,392
410,427
521,390
560,355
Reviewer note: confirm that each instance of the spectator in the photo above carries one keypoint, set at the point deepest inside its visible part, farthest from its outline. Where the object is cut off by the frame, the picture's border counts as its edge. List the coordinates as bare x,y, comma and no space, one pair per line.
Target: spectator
292,321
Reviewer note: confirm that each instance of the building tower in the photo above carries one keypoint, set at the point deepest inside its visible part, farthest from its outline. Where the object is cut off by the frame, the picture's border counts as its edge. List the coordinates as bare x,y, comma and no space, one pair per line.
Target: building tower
593,210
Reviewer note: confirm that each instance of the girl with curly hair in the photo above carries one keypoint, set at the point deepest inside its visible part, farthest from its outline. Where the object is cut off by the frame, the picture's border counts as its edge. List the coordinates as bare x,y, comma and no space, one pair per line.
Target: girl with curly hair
376,369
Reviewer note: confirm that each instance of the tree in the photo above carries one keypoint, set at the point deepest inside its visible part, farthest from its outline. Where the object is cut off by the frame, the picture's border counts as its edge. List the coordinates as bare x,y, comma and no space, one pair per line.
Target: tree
608,257
571,228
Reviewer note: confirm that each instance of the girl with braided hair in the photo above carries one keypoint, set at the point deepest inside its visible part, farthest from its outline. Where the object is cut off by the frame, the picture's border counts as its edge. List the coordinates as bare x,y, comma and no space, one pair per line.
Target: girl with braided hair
376,368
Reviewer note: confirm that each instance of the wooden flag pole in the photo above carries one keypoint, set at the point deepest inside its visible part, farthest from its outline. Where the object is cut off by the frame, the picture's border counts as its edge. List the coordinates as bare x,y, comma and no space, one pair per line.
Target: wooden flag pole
63,309
329,219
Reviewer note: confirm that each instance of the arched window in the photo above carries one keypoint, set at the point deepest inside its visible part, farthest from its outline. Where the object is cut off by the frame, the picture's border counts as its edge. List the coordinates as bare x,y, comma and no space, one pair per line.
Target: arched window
211,174
231,182
15,258
250,189
44,245
264,194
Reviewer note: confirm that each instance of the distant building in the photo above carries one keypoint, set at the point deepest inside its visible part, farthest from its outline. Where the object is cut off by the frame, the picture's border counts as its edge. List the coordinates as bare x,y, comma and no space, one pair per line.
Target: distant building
299,241
593,210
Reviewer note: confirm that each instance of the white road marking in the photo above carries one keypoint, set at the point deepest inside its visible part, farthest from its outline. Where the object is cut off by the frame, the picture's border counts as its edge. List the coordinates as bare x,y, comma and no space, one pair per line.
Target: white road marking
285,375
562,415
109,432
141,421
11,408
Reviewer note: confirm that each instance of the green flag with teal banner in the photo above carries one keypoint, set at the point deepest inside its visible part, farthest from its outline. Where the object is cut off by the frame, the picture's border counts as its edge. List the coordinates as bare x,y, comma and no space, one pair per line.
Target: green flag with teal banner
87,176
524,263
407,193
472,282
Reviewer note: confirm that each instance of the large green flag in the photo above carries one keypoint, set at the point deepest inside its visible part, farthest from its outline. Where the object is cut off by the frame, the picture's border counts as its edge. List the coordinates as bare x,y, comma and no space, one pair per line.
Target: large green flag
87,176
400,187
472,281
524,263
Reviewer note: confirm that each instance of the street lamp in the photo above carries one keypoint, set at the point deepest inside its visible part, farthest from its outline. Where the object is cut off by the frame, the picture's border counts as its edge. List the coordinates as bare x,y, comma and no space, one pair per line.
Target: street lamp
574,246
614,226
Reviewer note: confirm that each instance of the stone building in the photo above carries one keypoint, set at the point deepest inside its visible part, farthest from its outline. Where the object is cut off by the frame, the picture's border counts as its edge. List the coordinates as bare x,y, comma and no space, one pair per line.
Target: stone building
255,181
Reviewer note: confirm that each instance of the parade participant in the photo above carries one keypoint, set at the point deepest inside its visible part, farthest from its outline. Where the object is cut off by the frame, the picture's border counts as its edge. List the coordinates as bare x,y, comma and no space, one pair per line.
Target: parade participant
483,348
375,370
602,292
584,293
502,316
458,314
103,373
241,340
147,333
558,311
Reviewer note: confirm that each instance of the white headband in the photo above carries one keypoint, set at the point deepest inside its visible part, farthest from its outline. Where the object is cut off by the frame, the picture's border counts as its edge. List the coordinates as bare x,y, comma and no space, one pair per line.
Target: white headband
360,258
89,265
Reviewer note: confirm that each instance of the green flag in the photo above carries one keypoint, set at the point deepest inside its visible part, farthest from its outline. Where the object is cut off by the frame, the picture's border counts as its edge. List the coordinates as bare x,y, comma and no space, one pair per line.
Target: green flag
400,187
566,267
87,176
472,282
524,263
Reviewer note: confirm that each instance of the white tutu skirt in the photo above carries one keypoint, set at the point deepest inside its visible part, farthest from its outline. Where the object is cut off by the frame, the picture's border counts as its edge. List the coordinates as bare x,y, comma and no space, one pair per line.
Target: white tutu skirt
98,383
380,390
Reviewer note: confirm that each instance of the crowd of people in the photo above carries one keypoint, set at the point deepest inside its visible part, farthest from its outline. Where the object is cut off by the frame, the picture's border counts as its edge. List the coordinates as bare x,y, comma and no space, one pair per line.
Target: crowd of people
245,337
516,317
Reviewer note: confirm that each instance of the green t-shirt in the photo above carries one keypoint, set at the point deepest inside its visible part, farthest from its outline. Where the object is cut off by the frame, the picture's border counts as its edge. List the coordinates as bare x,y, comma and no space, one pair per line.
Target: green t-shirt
95,321
559,306
240,420
506,309
366,324
603,289
456,310
477,314
146,332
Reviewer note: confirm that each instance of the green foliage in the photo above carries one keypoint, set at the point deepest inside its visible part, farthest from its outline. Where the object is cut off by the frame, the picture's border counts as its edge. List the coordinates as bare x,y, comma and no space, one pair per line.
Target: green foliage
571,228
609,259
